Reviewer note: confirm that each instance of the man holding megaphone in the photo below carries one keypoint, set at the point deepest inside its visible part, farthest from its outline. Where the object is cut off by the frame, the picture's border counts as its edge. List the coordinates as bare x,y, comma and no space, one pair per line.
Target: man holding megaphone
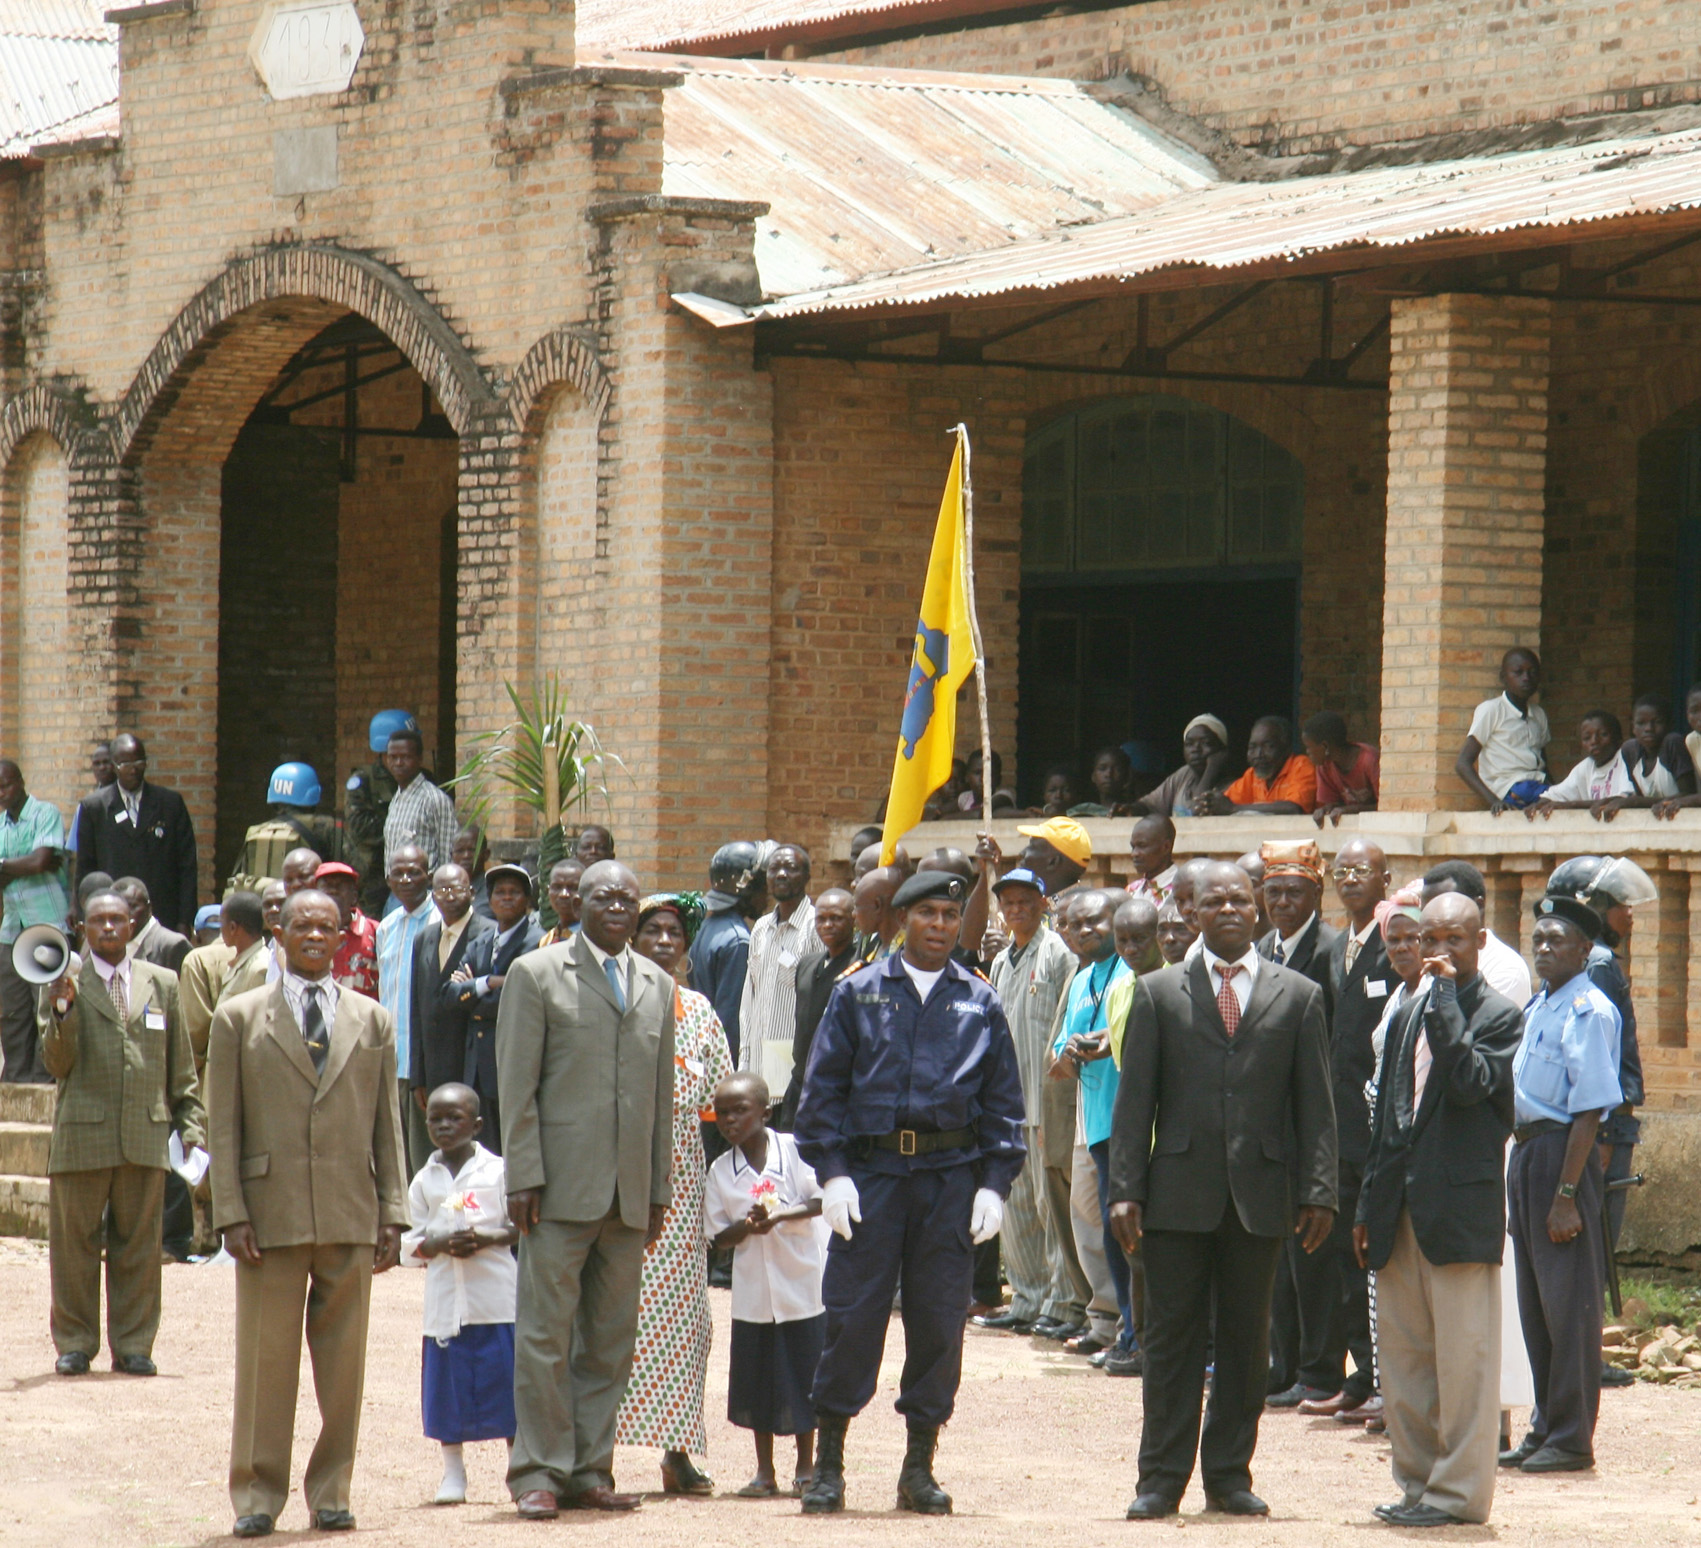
117,1045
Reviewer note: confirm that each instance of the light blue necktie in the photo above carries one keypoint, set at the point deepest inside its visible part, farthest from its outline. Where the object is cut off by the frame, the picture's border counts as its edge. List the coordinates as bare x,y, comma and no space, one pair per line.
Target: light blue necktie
615,977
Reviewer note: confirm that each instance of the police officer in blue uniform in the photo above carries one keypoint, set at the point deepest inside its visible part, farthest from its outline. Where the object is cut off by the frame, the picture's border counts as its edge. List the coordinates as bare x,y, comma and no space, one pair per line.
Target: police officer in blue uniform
1565,1078
911,1115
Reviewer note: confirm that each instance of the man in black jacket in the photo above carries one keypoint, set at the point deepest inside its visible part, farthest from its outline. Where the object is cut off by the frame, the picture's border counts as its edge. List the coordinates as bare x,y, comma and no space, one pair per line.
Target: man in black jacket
835,929
438,1039
1223,1111
133,828
1432,1222
1305,1321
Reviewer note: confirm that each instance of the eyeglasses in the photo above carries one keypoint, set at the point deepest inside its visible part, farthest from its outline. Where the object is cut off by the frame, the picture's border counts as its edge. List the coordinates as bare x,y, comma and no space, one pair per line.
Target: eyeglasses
1353,872
130,763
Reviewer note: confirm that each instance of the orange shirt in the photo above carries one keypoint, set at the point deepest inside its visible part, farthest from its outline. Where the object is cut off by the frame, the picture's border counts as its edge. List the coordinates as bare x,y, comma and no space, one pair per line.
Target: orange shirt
1297,782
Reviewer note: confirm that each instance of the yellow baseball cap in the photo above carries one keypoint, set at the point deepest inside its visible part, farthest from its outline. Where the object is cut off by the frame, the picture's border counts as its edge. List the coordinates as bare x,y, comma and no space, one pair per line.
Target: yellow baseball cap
1065,835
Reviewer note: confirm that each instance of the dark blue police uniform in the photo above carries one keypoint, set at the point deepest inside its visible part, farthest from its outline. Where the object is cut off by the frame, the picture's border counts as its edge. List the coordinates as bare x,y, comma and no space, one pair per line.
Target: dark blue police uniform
920,1105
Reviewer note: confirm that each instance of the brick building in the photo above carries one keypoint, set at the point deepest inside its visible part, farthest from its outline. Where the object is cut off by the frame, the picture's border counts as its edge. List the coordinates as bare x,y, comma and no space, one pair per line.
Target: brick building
375,354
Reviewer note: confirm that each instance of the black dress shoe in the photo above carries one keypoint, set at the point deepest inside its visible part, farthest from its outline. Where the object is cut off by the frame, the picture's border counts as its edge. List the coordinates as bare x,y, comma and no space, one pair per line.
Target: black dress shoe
252,1526
1386,1512
1521,1453
134,1365
1614,1376
1293,1396
333,1521
1004,1322
76,1363
1119,1362
1152,1507
1063,1332
1418,1515
1550,1459
1237,1502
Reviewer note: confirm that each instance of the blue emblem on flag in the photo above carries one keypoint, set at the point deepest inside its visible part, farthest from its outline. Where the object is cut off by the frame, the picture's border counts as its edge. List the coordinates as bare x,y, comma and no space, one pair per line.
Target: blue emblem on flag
932,661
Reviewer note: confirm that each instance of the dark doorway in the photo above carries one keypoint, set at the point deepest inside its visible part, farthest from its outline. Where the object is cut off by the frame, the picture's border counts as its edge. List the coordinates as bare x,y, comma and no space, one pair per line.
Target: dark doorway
1109,664
1668,559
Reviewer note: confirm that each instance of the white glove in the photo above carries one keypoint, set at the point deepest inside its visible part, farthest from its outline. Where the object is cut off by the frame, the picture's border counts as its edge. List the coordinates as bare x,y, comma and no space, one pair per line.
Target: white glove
988,1216
840,1205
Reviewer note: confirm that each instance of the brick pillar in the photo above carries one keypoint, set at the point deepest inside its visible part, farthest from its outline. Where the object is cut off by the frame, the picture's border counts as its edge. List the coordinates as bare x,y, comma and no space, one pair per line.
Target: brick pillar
1467,460
1660,957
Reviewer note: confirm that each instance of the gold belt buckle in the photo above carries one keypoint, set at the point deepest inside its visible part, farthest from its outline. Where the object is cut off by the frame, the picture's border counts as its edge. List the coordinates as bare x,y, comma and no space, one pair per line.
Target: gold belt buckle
906,1142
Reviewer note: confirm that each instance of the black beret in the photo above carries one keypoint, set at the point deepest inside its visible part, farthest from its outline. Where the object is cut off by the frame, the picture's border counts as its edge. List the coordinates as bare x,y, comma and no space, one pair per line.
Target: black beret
931,884
1573,913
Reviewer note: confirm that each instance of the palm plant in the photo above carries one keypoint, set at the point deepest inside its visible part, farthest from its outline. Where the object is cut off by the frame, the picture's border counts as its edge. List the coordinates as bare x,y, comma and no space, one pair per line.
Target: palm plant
542,759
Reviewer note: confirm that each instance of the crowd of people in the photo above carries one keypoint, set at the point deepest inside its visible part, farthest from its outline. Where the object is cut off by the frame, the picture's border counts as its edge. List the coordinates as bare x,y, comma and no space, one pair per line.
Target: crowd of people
1206,1138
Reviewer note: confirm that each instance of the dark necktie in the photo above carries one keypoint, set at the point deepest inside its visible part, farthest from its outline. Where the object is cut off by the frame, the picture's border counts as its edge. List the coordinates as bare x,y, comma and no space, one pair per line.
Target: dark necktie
120,1002
313,1028
1227,1001
1278,956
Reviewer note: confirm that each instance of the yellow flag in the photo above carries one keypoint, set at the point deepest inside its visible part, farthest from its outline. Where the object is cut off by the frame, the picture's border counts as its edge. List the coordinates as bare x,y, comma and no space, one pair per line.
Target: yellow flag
944,656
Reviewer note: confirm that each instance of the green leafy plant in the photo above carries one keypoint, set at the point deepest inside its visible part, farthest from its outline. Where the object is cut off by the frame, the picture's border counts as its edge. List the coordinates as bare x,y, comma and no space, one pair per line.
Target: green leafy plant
543,759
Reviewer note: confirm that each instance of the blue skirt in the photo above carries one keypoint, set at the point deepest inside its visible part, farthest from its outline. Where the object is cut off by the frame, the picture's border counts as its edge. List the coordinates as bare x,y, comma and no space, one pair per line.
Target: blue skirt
772,1371
467,1384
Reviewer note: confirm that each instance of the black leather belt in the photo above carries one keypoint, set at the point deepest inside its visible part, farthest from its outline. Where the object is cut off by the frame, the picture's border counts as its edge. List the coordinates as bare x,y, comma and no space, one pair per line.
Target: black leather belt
1529,1131
913,1142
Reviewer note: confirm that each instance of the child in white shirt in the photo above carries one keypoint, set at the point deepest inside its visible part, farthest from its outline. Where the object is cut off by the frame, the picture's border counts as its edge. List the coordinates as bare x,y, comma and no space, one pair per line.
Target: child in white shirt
458,1209
1600,775
762,1199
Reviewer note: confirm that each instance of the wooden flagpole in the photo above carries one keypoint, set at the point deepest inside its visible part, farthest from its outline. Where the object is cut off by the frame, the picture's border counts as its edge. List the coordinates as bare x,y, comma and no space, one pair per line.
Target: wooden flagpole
961,431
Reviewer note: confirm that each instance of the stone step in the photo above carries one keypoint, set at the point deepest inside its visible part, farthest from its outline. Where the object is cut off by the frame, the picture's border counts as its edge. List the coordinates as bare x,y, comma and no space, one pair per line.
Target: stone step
23,1149
27,1104
23,1206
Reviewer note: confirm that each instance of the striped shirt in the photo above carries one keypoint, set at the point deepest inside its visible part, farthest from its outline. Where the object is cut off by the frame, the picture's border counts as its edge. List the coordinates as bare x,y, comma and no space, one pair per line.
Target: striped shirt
767,1012
423,815
396,935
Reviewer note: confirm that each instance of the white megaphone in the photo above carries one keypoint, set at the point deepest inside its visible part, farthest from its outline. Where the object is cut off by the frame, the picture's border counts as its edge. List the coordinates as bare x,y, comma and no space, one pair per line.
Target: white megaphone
41,954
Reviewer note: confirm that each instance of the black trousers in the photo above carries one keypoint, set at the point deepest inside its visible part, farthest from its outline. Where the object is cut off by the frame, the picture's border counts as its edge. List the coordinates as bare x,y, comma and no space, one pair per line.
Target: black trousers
1328,1308
1561,1286
1205,1288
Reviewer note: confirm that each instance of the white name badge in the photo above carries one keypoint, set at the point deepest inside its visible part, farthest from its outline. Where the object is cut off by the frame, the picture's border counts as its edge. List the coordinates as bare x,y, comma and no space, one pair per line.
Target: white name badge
1376,989
120,816
154,1019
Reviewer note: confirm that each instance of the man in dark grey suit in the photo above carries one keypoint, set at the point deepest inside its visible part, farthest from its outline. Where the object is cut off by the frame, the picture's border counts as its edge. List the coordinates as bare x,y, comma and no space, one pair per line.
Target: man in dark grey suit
584,1061
134,828
1224,1108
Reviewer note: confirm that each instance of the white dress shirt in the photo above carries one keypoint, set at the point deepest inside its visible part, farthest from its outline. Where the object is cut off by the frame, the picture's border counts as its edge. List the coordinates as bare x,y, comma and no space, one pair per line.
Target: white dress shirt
108,971
1243,980
1506,971
623,961
1290,943
458,1291
767,1014
776,1277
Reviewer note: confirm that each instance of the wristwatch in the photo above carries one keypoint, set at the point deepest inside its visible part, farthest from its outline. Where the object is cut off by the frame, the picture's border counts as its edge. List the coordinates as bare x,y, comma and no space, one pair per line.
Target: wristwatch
1568,1190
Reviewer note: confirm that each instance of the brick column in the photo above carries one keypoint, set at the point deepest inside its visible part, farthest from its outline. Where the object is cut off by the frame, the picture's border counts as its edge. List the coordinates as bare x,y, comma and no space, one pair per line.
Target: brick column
1467,459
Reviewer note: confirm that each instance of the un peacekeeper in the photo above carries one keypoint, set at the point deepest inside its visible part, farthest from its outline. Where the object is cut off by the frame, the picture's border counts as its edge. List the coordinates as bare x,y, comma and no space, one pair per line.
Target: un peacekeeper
367,803
292,793
1565,1080
911,1115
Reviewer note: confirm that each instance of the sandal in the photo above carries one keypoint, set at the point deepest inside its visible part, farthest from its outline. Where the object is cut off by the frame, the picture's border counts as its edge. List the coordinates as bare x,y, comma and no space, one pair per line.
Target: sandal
681,1476
800,1483
757,1490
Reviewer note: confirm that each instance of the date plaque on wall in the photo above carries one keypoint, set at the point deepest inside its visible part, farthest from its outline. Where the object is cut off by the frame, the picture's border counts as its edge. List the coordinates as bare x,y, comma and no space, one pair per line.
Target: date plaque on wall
307,48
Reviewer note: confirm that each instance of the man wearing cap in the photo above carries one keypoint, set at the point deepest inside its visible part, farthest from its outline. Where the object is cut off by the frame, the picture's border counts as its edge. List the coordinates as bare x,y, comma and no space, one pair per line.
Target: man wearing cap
355,965
912,1117
1058,852
366,805
1565,1080
476,985
1031,975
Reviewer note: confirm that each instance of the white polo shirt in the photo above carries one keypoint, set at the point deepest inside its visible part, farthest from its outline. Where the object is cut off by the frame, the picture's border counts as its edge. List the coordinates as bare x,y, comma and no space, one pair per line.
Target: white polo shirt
776,1277
1511,740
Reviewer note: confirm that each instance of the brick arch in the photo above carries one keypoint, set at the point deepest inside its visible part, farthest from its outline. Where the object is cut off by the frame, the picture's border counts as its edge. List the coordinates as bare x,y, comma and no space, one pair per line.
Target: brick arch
47,409
1267,411
561,357
331,275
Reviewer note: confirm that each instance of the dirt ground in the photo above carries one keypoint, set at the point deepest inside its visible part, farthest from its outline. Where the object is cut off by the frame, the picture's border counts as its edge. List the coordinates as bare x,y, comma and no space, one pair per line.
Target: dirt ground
1041,1452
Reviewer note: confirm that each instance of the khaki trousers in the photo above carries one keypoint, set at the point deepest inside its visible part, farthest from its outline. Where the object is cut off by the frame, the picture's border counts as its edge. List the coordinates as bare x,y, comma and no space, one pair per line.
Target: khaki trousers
133,1199
1438,1346
330,1287
577,1322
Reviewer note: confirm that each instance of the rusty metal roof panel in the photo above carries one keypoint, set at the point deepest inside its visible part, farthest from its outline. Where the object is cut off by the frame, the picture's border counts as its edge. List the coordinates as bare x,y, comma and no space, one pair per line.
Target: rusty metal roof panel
674,23
870,171
1229,226
58,73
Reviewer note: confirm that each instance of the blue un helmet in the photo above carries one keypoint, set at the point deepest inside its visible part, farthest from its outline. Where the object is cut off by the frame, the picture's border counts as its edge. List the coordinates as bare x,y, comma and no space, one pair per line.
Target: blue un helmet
385,724
293,784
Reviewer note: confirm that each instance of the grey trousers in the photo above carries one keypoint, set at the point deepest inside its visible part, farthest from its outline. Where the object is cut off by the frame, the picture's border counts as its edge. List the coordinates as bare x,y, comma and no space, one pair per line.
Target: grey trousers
128,1200
1086,1219
1024,1236
574,1332
1438,1349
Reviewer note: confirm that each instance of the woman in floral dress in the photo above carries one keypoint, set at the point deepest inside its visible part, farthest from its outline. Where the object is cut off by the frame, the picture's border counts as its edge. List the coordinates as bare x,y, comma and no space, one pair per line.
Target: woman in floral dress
664,1399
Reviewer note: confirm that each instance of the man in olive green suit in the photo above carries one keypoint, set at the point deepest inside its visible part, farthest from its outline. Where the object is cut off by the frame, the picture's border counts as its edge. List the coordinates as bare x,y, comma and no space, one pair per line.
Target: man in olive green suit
309,1191
584,1063
116,1044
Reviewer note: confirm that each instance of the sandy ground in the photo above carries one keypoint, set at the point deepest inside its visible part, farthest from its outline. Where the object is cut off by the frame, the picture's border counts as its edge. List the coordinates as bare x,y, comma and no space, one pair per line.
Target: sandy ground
1041,1452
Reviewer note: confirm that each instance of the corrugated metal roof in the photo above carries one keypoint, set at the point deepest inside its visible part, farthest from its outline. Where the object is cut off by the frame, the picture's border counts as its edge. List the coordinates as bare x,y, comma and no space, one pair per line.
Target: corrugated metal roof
868,171
58,73
673,23
1230,226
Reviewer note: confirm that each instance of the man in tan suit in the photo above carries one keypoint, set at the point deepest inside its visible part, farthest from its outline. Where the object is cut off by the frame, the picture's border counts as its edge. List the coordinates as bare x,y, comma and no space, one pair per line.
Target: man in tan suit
584,1049
115,1043
309,1191
231,965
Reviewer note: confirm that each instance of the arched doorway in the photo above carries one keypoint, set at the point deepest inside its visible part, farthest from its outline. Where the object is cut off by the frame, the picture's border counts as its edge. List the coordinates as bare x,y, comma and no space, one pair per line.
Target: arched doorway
1161,547
1668,558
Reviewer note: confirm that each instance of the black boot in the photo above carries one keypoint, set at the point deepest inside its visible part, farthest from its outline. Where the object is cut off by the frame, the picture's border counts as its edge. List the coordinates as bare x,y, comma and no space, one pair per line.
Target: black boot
917,1489
826,1491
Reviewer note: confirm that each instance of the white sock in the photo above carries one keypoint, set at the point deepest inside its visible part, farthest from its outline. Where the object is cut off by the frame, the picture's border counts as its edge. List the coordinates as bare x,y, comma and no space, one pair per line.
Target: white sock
453,1488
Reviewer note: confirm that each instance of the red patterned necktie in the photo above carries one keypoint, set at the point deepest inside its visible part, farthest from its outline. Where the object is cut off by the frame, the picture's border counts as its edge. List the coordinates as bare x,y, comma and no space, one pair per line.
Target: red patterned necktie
1227,1001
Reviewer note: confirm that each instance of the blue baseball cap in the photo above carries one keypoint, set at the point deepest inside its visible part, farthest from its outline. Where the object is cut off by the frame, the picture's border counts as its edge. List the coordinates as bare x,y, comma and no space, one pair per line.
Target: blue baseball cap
1020,877
208,917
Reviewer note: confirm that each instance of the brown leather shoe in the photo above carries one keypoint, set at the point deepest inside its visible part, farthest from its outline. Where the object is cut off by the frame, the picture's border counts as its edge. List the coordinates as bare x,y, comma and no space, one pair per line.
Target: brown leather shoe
599,1498
537,1505
1330,1407
1370,1408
